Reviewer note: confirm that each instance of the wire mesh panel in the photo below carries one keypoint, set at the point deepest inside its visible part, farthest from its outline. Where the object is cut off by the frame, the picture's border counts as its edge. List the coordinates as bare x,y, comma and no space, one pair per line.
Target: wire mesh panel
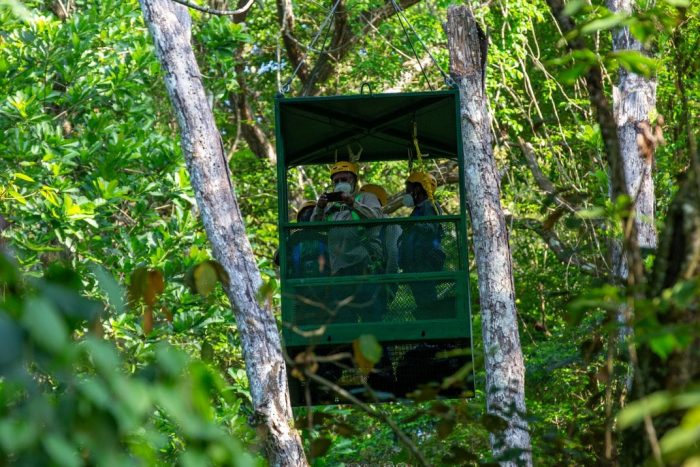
370,302
414,369
350,273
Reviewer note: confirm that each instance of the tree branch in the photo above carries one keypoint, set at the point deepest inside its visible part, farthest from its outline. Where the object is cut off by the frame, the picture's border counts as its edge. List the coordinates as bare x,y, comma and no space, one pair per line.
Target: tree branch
213,11
291,45
565,254
255,137
341,44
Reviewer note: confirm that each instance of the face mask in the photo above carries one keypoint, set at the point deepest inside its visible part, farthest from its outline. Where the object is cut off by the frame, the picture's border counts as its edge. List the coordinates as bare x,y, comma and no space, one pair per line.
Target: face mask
343,187
408,200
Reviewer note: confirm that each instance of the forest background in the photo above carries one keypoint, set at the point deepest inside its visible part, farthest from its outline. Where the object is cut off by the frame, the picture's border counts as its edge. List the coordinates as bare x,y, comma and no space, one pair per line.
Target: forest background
95,198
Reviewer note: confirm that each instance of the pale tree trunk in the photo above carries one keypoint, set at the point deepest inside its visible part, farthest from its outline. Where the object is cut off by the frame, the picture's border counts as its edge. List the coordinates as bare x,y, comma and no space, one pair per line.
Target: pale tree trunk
633,99
204,155
505,371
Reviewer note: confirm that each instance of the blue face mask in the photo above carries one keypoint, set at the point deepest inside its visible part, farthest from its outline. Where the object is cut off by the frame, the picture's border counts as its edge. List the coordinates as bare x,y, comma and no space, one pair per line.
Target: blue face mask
343,187
408,200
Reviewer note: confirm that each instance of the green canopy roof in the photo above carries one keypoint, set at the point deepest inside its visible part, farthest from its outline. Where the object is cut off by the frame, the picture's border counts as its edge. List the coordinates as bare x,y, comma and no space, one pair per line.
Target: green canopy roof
311,129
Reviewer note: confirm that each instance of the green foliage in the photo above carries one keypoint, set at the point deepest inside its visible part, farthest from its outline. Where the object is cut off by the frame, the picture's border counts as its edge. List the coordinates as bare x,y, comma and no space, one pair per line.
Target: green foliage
69,402
92,176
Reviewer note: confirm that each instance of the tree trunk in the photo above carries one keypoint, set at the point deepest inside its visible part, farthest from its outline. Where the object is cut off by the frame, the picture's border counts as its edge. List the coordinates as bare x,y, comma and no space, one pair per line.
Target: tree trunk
633,100
204,155
505,371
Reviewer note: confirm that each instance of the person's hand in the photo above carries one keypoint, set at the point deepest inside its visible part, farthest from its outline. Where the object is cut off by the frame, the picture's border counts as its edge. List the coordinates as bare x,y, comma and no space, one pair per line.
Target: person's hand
347,198
322,201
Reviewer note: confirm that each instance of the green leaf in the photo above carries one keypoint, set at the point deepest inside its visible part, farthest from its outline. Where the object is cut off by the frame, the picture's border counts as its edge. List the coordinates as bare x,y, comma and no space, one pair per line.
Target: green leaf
62,452
267,290
593,213
634,61
205,279
45,324
11,346
572,7
17,435
17,196
24,177
18,9
171,360
96,392
103,355
635,411
115,293
664,344
678,3
575,72
370,348
601,24
680,438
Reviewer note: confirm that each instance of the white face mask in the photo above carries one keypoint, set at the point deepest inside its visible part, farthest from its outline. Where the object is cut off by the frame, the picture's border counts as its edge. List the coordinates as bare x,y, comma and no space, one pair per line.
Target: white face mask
343,187
408,200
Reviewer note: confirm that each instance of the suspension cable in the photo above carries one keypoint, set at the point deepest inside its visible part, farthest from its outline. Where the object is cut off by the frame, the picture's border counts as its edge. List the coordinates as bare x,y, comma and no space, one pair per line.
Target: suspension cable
410,43
401,15
325,25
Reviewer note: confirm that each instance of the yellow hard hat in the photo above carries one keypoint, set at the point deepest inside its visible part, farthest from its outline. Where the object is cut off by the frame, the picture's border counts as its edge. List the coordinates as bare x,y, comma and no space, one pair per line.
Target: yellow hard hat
427,181
377,191
344,166
305,204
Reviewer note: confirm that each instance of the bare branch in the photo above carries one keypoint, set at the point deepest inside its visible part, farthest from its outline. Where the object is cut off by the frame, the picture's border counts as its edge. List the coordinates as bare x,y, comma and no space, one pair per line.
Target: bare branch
542,180
213,11
563,253
254,136
291,44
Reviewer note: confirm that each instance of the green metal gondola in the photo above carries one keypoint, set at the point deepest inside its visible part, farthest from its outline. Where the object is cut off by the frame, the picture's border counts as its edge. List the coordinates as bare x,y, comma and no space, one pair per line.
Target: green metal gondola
419,345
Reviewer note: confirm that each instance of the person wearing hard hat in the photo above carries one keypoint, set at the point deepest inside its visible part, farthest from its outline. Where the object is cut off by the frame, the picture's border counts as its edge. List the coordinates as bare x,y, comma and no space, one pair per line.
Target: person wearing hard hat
308,249
420,248
389,235
349,253
352,250
307,253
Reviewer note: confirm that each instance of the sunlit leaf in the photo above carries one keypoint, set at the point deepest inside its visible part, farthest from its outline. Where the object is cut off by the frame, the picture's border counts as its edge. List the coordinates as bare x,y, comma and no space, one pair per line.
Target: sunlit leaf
651,405
17,195
24,177
18,9
678,3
